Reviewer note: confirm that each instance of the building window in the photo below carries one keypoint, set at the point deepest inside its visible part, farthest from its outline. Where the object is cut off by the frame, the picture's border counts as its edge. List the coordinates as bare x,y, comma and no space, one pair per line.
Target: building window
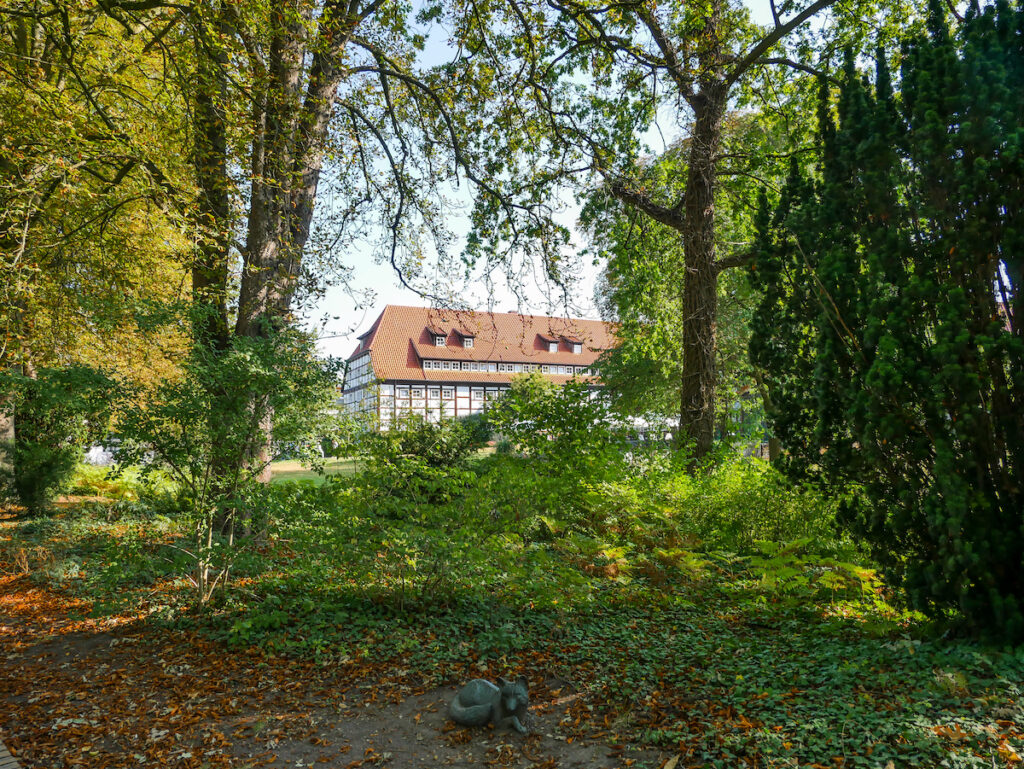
448,393
577,347
434,392
417,393
492,367
438,340
467,341
466,366
545,369
552,346
403,392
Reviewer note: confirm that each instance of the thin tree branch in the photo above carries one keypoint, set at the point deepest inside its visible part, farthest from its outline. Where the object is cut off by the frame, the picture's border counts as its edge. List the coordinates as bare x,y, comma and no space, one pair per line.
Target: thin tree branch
798,65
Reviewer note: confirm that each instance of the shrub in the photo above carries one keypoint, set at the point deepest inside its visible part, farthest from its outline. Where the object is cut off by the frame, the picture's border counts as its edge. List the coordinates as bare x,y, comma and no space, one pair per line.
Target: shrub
55,414
208,430
569,427
568,439
732,506
418,463
442,444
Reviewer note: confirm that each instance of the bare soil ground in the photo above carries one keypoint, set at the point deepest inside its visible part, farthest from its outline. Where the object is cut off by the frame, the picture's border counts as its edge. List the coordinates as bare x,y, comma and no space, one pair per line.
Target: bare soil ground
79,692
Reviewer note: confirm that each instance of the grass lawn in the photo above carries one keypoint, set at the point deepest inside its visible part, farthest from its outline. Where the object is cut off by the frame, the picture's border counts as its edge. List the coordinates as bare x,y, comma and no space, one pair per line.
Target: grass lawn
293,470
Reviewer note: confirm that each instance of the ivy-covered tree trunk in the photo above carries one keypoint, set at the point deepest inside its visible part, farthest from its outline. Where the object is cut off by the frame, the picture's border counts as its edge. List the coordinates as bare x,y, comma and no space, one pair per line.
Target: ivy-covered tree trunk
890,331
700,283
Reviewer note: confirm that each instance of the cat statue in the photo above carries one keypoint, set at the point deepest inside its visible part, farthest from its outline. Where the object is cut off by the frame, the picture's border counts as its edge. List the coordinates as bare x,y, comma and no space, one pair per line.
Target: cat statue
480,702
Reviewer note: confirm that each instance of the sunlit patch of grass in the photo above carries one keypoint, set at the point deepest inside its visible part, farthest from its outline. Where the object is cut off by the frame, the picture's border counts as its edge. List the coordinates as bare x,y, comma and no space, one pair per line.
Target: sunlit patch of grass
293,470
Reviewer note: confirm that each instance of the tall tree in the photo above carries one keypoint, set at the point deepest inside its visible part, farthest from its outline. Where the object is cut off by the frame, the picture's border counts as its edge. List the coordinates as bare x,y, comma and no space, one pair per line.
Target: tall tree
642,280
333,79
890,330
577,83
283,100
86,248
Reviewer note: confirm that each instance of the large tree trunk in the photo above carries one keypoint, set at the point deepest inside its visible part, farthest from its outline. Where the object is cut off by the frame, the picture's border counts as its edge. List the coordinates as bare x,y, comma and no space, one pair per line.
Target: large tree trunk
287,159
210,262
700,283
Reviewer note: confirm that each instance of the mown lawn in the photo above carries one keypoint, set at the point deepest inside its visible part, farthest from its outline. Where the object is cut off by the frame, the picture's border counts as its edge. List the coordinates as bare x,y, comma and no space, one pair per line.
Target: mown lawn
293,470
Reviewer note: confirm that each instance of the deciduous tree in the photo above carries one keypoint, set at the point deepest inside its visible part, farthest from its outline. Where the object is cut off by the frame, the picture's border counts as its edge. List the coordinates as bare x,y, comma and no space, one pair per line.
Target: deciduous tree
577,83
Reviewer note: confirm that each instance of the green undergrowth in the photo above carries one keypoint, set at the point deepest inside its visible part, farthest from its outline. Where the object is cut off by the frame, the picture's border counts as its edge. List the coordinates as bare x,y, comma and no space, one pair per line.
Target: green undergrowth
764,639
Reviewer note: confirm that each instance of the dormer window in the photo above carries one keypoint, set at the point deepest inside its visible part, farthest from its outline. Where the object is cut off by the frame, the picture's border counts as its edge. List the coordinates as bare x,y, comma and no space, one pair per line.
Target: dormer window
439,340
552,346
577,347
466,336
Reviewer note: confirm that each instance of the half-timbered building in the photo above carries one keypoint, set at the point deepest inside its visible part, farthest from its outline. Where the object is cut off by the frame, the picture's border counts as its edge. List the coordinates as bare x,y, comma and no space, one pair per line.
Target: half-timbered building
448,363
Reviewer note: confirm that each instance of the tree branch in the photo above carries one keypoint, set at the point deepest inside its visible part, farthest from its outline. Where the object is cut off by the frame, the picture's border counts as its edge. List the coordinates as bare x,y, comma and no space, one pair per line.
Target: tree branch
736,260
670,217
683,83
772,38
798,65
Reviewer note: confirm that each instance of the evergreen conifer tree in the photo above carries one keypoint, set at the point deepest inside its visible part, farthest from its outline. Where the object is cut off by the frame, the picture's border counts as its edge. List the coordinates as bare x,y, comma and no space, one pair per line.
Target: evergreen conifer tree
891,329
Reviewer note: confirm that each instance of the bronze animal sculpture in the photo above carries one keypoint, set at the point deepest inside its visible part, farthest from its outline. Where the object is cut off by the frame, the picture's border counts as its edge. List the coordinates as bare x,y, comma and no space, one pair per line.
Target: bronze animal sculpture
480,702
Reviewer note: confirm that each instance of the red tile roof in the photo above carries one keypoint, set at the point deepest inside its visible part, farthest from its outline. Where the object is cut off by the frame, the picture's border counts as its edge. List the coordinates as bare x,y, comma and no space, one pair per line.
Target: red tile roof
402,337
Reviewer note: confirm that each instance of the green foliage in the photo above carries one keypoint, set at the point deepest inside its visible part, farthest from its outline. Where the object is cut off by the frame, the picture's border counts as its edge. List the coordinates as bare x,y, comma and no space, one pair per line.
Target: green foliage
731,506
570,427
778,657
207,430
418,462
129,484
56,413
890,329
641,287
446,443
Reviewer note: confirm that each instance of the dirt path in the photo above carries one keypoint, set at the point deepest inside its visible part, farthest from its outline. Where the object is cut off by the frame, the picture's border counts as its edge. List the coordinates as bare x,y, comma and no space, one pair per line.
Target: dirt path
78,692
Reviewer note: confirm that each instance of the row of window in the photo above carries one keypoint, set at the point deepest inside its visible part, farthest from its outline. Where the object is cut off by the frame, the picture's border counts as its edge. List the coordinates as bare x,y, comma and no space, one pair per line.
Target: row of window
445,393
454,365
510,368
433,413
